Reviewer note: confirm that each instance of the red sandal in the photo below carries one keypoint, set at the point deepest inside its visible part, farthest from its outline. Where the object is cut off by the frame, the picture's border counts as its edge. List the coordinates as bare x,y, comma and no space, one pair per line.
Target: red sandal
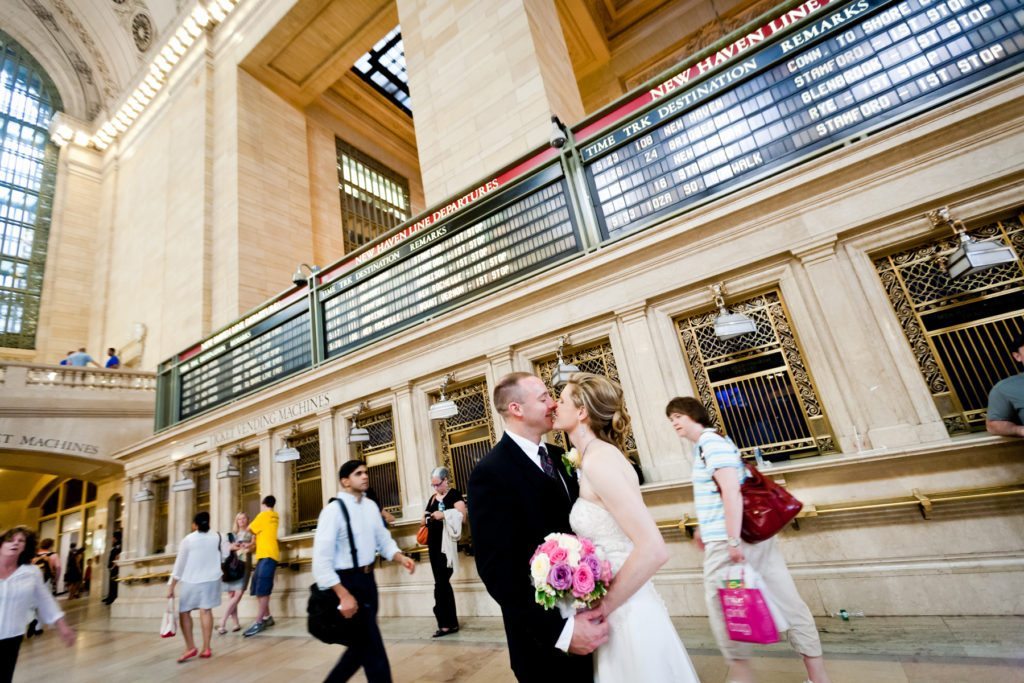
206,654
188,655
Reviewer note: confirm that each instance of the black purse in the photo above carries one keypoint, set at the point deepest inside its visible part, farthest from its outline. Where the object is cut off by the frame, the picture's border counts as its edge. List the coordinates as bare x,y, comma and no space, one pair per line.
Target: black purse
323,619
232,568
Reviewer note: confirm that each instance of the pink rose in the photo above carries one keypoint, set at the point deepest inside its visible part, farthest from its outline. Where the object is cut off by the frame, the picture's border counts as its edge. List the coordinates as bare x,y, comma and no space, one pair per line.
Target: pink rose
582,581
548,546
606,571
586,546
558,555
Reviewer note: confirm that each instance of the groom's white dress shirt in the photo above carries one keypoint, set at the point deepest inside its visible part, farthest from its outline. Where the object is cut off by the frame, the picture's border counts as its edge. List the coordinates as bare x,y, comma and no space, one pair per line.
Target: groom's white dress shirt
532,451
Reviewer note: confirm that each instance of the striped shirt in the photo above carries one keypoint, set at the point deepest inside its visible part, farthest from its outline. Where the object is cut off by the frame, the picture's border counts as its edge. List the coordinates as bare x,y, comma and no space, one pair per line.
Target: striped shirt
713,452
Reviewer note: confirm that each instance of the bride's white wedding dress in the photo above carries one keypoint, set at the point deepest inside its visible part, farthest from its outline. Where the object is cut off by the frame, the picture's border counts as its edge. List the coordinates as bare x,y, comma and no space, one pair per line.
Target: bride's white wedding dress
643,645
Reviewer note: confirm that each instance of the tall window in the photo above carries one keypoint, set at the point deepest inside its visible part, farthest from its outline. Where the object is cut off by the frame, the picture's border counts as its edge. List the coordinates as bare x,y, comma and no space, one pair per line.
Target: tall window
161,493
307,495
466,437
201,501
248,485
68,515
374,198
959,330
381,457
28,169
756,386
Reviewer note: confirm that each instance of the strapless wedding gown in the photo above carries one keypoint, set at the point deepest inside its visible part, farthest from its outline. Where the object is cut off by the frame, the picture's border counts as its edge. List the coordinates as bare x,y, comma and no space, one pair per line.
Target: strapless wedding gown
643,646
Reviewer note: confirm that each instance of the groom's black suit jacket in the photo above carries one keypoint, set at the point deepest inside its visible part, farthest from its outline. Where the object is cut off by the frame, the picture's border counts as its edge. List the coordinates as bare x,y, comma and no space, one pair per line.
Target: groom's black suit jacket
512,506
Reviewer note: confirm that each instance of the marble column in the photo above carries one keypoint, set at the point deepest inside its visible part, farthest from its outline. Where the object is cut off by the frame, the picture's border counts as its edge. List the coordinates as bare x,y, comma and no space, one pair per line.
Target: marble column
411,456
331,453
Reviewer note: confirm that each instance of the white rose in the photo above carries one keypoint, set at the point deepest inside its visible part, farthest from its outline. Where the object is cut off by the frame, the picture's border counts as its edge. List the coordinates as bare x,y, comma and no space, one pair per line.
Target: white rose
574,558
540,568
571,544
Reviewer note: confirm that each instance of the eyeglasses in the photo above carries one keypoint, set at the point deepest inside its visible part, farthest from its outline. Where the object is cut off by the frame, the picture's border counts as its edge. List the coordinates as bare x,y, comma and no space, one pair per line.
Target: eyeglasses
441,483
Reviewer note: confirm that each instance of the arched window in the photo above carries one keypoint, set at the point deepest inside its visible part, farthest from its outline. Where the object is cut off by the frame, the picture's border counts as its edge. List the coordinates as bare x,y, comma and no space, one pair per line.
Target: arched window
28,169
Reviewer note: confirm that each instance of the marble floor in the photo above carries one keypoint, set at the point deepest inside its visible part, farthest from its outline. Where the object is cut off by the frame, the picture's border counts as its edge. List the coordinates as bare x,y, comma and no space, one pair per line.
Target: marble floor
873,650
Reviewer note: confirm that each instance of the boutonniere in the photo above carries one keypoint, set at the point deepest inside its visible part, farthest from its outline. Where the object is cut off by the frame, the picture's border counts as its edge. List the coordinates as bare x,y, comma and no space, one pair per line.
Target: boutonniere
571,461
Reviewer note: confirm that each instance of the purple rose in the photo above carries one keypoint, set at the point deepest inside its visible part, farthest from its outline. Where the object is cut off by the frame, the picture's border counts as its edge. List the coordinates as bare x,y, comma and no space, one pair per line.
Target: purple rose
592,562
560,577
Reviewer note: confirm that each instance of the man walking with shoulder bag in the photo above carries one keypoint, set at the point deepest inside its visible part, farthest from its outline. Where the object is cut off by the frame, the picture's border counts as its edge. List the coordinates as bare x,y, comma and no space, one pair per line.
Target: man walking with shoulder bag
341,533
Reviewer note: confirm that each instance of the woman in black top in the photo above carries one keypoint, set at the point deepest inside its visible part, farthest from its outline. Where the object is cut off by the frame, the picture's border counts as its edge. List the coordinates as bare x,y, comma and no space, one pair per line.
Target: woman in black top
444,498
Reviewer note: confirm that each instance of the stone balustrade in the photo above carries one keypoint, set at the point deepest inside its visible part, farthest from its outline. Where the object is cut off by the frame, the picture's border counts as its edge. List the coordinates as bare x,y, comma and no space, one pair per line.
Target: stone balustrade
14,375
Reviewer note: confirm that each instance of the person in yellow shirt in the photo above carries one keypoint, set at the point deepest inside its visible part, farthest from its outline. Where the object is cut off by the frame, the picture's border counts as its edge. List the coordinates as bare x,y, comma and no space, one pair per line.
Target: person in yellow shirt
267,555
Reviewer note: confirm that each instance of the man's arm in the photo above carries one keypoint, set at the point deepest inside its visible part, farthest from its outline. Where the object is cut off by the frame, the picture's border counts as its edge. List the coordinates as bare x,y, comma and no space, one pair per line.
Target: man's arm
492,516
1004,428
1000,414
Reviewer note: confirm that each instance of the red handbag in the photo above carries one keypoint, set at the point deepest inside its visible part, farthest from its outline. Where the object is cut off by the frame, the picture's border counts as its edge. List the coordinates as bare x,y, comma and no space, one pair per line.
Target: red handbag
767,507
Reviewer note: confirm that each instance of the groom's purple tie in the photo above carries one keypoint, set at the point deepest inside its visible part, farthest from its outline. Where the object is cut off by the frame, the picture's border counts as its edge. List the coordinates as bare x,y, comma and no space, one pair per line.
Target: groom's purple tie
546,464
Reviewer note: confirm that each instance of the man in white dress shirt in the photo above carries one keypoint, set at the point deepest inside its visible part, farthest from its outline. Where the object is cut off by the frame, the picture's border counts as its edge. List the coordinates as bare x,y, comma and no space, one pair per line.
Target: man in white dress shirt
352,578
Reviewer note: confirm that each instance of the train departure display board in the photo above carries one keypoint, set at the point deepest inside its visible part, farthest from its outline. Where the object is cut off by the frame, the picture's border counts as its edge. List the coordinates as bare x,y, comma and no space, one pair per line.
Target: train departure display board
269,350
863,66
522,231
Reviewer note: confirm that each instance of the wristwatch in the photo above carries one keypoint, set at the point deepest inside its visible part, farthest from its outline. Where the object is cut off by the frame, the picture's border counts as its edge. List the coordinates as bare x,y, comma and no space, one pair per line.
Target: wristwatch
733,542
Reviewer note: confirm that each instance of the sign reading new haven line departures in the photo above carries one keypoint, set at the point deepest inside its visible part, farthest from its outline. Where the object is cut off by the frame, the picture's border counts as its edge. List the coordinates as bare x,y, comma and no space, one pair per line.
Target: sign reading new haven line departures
808,80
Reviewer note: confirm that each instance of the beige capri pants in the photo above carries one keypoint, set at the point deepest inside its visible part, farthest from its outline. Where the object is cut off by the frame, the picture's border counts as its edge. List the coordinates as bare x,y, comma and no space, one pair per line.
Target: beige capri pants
766,559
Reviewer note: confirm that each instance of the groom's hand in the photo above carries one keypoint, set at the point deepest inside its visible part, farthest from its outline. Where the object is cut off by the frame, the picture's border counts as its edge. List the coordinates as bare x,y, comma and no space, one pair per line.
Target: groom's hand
589,632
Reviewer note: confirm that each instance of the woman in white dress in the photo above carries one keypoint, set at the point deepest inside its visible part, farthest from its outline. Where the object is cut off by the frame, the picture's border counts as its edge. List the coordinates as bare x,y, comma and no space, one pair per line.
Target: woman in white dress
643,644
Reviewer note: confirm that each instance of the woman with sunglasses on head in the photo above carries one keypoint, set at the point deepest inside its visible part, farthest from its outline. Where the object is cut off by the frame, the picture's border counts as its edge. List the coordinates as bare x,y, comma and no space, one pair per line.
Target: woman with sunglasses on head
443,529
21,590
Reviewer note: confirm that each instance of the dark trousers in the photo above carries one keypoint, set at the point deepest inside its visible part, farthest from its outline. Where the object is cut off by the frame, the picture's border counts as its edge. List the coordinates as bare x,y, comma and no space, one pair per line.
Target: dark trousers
8,657
111,589
367,649
444,596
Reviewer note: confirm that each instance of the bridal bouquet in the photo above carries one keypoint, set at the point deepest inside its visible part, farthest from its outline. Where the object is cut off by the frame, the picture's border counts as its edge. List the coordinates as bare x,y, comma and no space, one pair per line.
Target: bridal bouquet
567,573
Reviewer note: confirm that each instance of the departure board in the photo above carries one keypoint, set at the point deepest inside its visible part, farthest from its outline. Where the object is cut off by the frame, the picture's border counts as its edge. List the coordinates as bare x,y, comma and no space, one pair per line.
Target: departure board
520,232
865,65
272,349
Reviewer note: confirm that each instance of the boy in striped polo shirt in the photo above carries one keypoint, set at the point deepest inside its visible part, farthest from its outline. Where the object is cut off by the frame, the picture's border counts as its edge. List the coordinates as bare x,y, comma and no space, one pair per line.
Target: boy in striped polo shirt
718,471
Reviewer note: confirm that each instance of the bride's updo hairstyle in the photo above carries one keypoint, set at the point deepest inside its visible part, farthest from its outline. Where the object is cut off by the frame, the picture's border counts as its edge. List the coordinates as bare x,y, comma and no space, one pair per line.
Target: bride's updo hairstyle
605,406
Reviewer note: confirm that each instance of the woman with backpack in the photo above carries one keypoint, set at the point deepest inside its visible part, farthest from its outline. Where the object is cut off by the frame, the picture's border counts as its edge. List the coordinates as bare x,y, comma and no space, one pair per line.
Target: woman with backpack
241,542
198,570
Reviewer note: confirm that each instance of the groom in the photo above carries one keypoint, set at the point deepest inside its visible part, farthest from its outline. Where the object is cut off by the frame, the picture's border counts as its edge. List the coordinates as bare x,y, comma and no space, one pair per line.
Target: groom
519,493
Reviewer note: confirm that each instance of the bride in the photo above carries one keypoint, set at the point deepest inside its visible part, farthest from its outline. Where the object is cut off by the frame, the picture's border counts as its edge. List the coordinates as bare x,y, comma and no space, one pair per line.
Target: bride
643,644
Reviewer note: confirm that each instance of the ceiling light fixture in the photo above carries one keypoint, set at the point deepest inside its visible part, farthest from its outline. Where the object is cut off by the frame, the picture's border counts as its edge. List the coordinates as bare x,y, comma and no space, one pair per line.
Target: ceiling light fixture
730,325
445,407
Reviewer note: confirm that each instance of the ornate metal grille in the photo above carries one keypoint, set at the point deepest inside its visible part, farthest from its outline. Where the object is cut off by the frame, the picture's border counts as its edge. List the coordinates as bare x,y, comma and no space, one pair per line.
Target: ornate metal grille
249,484
201,500
959,330
596,358
374,198
28,172
307,495
468,436
757,387
161,496
381,457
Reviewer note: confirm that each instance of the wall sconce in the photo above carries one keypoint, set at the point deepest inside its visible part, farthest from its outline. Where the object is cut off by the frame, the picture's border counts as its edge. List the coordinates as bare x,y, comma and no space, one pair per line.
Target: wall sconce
730,325
287,453
563,371
444,408
972,256
230,470
299,278
357,434
145,494
183,483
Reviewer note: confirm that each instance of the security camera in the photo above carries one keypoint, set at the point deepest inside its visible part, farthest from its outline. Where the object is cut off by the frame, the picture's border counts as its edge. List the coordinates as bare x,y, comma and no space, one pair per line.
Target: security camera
558,137
298,277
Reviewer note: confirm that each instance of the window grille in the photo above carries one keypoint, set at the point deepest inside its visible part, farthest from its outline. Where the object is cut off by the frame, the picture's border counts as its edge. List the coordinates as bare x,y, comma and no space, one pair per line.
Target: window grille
596,358
201,500
161,496
383,67
374,199
28,170
468,436
959,330
307,494
757,387
381,456
249,485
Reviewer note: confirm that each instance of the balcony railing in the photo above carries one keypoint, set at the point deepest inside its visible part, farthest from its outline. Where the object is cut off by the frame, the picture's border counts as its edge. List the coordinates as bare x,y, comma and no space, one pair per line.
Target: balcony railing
14,375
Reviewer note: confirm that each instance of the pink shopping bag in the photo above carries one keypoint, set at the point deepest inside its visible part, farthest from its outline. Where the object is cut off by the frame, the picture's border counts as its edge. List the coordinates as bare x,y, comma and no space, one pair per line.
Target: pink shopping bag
747,617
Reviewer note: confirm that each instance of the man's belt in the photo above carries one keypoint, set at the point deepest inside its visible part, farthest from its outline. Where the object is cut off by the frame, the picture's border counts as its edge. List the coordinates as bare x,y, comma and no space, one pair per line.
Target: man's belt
357,570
